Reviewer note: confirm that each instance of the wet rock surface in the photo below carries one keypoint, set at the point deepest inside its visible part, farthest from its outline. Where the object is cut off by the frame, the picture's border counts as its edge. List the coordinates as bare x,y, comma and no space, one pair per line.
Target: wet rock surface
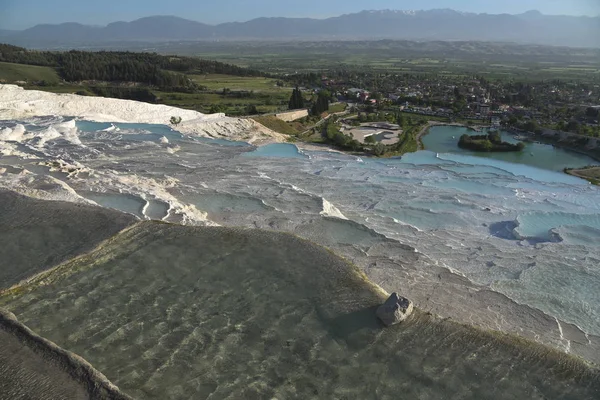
395,310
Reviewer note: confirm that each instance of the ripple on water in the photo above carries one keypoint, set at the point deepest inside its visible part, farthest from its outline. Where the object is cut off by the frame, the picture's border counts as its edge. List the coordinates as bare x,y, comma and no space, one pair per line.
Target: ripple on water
542,225
171,312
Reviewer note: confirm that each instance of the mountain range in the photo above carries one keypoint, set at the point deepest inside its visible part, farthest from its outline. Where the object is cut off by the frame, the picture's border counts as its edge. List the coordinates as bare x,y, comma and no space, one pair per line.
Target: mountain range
531,27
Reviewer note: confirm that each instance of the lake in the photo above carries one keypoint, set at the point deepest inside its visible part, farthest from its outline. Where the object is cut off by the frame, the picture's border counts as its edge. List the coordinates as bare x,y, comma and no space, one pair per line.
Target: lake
444,139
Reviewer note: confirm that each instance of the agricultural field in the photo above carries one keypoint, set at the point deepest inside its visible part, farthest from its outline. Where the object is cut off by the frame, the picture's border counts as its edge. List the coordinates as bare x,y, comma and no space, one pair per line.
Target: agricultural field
235,100
492,60
10,73
237,83
233,94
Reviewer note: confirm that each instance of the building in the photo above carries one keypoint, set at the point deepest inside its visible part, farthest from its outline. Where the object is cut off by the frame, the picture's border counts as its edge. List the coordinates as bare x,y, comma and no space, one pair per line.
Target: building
483,109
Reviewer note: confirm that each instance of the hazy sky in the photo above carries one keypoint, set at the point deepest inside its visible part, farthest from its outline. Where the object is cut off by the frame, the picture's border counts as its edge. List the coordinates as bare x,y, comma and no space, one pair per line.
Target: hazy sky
20,14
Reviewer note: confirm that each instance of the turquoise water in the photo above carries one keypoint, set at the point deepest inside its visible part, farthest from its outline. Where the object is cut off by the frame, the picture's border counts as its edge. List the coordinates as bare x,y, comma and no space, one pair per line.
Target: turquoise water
538,173
150,132
219,142
444,139
225,204
540,224
497,223
127,203
137,132
281,150
88,126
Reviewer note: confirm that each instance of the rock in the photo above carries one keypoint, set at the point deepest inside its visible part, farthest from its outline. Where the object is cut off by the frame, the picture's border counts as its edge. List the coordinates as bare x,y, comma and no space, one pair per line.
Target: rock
395,310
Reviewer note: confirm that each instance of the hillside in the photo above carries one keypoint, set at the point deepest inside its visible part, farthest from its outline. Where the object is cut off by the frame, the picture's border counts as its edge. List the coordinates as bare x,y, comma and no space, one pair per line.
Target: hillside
531,27
167,73
185,82
29,73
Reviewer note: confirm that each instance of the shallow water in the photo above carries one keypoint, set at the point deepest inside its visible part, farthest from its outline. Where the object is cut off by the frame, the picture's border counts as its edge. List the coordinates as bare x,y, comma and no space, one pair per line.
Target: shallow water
126,203
277,150
444,139
171,312
454,232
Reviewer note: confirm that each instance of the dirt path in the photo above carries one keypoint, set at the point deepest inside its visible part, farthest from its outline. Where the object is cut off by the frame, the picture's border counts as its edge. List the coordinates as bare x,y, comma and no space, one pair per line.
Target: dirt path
591,174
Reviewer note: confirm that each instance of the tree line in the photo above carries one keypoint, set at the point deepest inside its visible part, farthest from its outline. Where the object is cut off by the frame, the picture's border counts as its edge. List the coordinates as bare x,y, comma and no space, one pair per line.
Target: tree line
168,73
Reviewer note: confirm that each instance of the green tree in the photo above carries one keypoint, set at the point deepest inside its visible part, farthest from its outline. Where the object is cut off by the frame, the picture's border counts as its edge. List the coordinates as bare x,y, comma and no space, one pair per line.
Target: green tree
251,109
379,149
400,119
296,100
573,126
531,126
175,120
486,145
321,104
217,108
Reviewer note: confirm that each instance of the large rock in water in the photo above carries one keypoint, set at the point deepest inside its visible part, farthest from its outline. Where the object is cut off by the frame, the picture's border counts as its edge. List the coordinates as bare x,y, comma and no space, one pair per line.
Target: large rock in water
395,309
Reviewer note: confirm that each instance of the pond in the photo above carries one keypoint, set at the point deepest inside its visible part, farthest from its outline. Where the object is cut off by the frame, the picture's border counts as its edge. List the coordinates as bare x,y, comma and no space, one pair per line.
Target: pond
444,139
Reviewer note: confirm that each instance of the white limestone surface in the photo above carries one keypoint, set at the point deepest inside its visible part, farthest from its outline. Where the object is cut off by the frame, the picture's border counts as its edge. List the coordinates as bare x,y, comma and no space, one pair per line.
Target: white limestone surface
18,103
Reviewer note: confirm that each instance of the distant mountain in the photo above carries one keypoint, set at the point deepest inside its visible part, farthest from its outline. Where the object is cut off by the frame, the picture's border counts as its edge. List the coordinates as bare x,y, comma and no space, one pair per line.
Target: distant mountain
443,24
157,28
4,32
69,32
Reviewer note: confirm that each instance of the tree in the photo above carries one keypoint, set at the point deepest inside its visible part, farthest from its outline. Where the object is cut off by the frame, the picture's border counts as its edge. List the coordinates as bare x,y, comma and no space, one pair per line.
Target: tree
531,126
379,149
370,139
495,137
217,108
592,112
251,109
296,100
321,103
573,126
175,120
486,145
400,119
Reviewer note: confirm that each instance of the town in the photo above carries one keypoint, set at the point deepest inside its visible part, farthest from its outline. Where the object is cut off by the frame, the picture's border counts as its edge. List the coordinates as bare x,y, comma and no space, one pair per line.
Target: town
563,106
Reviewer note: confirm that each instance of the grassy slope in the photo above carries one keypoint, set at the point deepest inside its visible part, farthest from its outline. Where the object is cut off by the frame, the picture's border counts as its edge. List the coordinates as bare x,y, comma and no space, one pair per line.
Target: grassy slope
19,72
335,108
268,97
591,173
218,82
276,124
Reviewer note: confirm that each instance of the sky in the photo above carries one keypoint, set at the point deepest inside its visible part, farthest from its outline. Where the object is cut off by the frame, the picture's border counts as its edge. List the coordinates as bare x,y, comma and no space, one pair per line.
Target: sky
22,14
